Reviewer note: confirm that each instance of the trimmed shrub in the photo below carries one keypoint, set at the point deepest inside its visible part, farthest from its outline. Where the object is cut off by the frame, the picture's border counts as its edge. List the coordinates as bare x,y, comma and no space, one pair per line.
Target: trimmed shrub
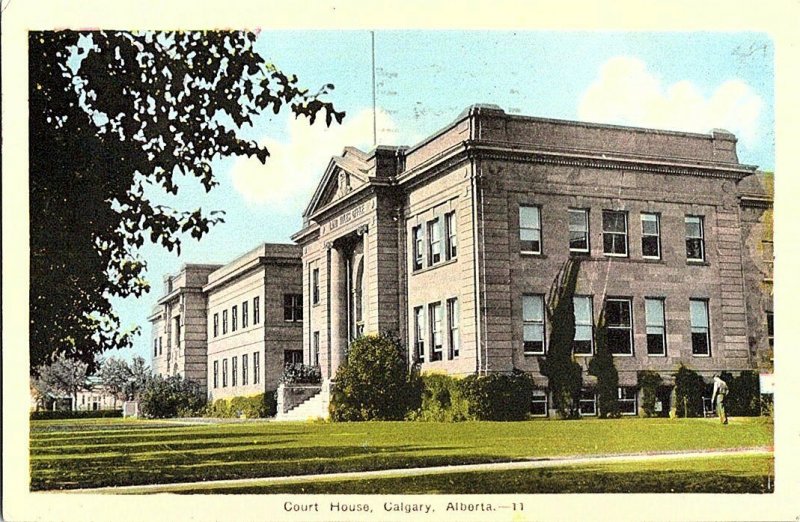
299,373
66,414
442,400
744,395
649,381
252,407
375,383
602,367
689,390
172,397
564,375
498,397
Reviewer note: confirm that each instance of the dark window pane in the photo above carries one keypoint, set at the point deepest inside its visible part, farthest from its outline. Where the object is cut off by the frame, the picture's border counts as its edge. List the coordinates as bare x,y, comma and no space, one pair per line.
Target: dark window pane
619,341
694,248
530,246
699,343
577,241
650,246
582,347
655,344
533,346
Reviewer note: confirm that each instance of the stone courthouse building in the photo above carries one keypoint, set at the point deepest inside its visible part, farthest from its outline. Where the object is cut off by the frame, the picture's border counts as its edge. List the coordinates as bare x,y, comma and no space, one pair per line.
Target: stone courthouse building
231,327
455,243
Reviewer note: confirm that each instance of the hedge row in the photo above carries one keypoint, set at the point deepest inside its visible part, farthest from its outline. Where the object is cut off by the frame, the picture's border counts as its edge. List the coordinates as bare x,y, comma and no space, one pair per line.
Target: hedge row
80,414
494,397
253,407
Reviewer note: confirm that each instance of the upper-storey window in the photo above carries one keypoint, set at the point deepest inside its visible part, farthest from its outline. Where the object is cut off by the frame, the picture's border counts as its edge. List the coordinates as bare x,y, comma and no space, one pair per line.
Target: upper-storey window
418,246
244,314
656,329
530,229
695,249
293,307
451,246
651,236
315,286
615,233
155,347
771,329
216,325
256,313
224,322
434,241
582,343
618,322
533,324
698,311
579,230
234,318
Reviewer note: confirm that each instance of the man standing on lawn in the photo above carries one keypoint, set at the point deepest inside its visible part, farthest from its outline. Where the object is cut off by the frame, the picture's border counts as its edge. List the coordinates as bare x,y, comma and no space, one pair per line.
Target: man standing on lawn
719,393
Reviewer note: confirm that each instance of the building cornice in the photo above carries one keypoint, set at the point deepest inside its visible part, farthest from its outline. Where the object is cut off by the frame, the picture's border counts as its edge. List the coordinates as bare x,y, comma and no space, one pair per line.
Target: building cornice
249,267
755,201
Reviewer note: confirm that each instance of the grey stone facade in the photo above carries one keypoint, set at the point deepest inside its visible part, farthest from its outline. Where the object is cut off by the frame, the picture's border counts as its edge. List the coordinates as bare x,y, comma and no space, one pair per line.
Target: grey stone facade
188,336
362,271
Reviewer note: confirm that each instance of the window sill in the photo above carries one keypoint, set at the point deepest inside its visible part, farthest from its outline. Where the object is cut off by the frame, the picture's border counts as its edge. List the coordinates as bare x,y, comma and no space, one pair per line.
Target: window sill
579,253
533,354
533,254
437,265
622,355
662,355
704,355
689,262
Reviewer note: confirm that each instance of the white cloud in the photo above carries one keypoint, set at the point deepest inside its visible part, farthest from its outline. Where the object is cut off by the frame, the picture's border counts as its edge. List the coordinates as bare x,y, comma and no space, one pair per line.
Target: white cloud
287,181
626,93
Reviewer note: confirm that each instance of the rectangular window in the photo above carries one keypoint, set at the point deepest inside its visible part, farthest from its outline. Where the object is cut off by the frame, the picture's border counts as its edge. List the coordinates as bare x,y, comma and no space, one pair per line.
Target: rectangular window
434,241
530,230
651,236
178,332
234,370
224,373
216,325
234,319
533,324
587,405
292,357
216,374
615,233
771,329
244,314
315,286
626,398
453,339
256,367
160,345
698,311
435,317
695,249
451,248
155,347
583,342
618,322
656,334
539,403
256,316
419,332
245,374
578,230
293,307
418,246
224,322
315,350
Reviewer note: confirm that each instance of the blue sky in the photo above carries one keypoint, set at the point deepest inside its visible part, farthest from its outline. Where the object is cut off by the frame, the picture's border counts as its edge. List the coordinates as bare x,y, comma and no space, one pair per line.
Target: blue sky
692,81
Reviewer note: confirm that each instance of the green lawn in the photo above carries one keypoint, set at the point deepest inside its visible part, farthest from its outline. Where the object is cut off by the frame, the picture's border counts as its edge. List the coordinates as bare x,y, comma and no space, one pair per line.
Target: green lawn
728,474
103,452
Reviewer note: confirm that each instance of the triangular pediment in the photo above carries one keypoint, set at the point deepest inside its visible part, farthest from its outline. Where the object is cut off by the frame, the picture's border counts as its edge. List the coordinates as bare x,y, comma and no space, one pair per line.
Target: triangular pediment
343,175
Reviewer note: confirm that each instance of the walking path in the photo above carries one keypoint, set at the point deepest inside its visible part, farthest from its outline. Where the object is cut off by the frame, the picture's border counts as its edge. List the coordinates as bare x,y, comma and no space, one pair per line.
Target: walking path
532,463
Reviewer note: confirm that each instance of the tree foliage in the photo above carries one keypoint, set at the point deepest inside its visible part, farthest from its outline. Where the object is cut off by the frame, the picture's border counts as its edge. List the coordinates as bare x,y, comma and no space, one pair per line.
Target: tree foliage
64,376
564,375
114,118
124,381
689,390
498,397
172,396
649,381
375,383
602,367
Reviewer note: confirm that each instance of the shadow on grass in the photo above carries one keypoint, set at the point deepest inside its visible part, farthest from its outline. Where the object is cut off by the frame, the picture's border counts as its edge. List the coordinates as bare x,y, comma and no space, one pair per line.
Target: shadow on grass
233,463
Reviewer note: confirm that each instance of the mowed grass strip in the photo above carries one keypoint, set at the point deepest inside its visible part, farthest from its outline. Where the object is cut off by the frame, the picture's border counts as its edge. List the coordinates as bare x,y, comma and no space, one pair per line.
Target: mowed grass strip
726,474
90,453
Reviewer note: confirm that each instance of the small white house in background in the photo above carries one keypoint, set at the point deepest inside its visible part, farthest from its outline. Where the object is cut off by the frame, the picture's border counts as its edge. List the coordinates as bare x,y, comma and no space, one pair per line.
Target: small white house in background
94,398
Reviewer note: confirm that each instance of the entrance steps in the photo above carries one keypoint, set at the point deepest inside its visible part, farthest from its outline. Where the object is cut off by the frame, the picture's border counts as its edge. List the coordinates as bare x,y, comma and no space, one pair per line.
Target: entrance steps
315,407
